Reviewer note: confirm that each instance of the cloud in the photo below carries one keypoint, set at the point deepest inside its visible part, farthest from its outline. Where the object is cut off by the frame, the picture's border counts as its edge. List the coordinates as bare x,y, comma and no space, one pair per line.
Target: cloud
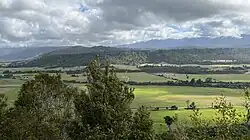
112,22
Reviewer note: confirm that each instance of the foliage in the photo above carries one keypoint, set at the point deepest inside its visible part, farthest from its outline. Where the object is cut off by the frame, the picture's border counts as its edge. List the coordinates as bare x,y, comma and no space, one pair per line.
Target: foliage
103,111
142,127
3,108
76,56
225,126
168,120
42,111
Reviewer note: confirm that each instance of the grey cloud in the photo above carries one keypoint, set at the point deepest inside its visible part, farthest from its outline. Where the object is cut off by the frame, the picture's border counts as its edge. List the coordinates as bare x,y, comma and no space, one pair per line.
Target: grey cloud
113,22
179,10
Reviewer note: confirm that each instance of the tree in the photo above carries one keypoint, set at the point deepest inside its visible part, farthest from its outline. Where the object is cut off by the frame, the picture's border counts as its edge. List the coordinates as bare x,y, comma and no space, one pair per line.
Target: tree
209,80
103,110
3,104
142,127
199,81
192,105
42,111
169,121
192,82
3,109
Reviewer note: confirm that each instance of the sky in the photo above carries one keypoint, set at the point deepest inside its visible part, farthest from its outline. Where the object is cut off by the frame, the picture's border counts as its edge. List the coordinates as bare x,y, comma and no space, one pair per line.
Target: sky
116,22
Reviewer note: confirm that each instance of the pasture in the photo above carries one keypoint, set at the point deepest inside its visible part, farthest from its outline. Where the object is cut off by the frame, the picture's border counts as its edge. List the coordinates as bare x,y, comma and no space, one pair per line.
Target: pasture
178,95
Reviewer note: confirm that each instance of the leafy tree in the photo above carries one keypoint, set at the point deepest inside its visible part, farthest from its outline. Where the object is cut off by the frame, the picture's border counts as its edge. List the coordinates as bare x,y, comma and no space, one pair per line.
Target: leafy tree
3,109
209,80
142,127
42,111
192,81
247,106
192,105
103,110
199,81
3,104
169,121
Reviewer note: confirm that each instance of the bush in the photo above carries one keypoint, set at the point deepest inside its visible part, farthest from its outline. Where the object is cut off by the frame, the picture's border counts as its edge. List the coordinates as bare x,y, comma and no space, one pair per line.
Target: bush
174,107
156,109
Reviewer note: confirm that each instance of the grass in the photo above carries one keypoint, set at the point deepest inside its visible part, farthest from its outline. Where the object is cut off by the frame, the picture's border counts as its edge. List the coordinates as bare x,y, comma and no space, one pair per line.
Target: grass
218,77
183,116
10,82
175,95
163,96
10,87
12,95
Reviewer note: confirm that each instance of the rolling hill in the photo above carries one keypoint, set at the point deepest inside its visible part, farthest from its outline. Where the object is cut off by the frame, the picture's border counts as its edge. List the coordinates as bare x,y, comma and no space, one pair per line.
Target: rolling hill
79,56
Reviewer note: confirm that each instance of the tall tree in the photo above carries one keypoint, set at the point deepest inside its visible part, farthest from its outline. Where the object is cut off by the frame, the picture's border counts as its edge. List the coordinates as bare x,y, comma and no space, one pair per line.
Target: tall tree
42,110
103,110
142,128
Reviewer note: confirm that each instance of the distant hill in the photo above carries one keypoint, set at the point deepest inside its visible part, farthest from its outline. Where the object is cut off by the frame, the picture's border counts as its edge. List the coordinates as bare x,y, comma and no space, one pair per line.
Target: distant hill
80,56
6,51
84,50
11,54
200,42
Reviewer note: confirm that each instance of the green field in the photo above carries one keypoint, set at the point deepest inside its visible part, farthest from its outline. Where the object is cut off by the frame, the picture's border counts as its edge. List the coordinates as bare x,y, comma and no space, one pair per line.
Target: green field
163,96
174,95
183,116
218,77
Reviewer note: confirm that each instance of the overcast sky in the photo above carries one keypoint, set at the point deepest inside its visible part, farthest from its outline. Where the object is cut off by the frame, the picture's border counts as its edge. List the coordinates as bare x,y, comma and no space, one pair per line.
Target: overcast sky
112,22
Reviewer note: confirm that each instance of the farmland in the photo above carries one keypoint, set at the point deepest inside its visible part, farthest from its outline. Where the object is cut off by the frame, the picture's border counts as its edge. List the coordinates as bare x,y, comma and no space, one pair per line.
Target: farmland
154,96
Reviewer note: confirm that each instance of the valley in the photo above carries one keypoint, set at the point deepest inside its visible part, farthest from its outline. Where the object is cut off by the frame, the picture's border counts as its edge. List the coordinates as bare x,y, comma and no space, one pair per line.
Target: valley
157,92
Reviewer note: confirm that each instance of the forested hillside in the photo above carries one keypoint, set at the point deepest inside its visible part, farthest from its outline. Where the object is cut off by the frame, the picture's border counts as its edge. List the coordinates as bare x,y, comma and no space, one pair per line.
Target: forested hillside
76,56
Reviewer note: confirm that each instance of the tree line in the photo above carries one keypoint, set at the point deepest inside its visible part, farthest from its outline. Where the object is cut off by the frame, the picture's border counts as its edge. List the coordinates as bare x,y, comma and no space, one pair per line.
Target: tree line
192,70
193,82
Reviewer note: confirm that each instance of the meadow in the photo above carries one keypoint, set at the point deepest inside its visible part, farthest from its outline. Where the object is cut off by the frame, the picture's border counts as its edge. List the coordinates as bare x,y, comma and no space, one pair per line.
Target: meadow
174,95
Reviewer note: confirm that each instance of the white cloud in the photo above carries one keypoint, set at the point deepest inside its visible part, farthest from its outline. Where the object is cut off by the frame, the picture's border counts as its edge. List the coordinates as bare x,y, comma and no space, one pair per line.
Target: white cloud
111,22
